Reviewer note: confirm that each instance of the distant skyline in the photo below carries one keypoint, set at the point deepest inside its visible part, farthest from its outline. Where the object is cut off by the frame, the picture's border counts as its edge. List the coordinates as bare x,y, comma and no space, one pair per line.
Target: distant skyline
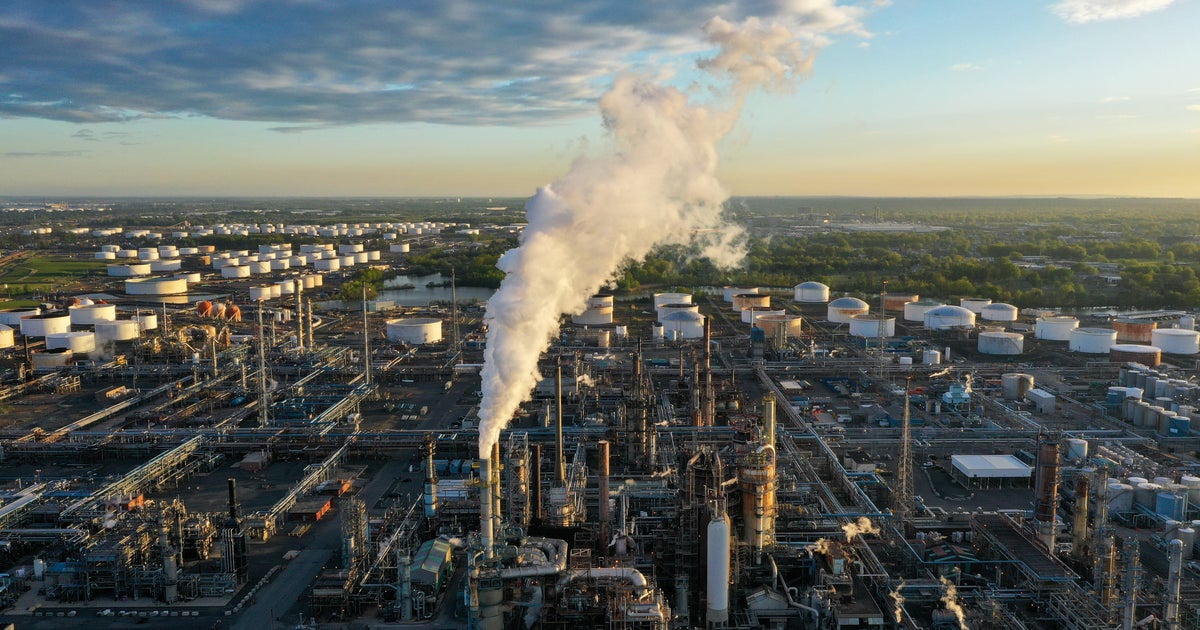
471,98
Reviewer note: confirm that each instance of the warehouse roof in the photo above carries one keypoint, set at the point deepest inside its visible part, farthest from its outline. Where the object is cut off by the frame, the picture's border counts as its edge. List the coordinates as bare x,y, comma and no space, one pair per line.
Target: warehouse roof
990,466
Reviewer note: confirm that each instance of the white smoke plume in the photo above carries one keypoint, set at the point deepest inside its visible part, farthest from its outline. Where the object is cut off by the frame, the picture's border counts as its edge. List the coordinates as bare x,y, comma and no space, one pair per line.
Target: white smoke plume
656,185
862,527
898,602
950,601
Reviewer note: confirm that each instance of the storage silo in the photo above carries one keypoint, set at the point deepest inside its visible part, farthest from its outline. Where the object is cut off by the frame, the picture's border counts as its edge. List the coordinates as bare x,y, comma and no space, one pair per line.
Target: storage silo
129,271
1177,340
811,292
1014,385
869,325
915,311
599,312
999,312
671,298
949,318
896,301
751,315
155,286
77,342
771,324
743,301
1001,343
7,336
1134,353
975,305
727,293
1092,340
1055,327
414,330
45,324
88,314
1135,330
685,324
841,310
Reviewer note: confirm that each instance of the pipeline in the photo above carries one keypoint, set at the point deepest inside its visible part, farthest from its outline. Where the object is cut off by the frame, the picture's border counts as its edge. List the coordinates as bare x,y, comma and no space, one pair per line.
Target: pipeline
633,576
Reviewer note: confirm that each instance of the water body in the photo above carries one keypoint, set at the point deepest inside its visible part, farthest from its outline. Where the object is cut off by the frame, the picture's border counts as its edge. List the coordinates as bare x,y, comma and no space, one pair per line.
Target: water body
421,295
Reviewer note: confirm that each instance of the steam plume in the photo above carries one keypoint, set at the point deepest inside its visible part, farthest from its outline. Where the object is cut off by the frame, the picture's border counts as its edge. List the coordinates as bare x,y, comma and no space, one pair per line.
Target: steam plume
657,185
950,601
898,602
861,527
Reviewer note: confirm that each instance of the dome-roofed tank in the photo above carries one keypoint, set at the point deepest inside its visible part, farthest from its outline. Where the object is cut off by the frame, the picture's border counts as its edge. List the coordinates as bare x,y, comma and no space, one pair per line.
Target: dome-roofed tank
843,309
686,324
949,317
812,292
999,312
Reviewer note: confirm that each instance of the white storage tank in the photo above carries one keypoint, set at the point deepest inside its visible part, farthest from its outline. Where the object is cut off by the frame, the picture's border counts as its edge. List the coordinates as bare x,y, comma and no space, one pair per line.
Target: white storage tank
671,298
235,271
666,309
349,248
147,253
105,255
361,258
260,292
754,313
415,330
348,260
1177,340
119,330
159,266
949,318
13,316
684,324
373,255
931,357
260,267
146,321
841,310
743,301
915,311
1145,494
975,305
1119,497
168,251
771,324
811,293
282,264
1092,340
599,312
896,301
1077,449
1055,327
191,277
327,264
1001,343
7,336
45,324
1192,483
1014,385
1000,312
717,574
77,342
88,314
50,359
129,271
400,248
727,293
869,325
156,286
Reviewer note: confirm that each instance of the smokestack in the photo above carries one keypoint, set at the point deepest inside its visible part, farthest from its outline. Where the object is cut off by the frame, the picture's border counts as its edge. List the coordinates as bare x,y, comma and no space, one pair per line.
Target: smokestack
298,289
709,403
535,479
1047,490
1079,530
769,419
431,480
602,474
233,504
308,326
697,402
497,465
561,457
486,532
1174,580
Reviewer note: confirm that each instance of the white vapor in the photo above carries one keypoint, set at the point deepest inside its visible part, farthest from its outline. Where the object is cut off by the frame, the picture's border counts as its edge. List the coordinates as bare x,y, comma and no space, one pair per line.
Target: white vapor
950,601
1084,11
656,185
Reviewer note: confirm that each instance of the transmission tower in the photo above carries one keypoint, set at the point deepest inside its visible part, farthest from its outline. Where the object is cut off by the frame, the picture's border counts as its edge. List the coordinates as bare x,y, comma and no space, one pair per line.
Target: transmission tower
902,504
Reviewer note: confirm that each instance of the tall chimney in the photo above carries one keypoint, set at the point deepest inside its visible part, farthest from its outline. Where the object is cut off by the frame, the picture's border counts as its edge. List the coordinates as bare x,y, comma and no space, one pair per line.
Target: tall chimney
309,324
602,474
298,285
1046,496
486,531
709,403
535,480
561,457
497,512
769,419
1079,530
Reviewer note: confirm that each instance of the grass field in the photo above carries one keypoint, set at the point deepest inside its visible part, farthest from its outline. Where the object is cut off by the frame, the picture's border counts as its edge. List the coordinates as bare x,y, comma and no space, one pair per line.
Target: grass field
45,273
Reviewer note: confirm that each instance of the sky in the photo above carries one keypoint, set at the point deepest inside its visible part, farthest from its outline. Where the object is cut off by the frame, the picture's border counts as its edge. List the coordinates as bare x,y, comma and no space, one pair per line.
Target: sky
485,98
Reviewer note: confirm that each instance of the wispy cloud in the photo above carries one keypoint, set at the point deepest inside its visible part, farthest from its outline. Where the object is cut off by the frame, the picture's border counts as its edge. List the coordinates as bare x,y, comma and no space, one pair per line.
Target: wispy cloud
302,63
966,67
1084,11
1114,99
43,154
91,136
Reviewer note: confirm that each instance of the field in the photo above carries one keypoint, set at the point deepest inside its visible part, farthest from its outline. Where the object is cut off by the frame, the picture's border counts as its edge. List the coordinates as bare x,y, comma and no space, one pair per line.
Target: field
43,273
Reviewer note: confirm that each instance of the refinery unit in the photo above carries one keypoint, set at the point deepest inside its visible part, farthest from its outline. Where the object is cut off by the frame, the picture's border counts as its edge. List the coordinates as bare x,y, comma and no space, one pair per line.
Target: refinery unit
197,443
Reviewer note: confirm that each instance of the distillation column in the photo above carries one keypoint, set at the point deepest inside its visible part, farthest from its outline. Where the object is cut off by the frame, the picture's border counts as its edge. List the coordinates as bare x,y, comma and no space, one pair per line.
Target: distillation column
757,480
602,478
1047,490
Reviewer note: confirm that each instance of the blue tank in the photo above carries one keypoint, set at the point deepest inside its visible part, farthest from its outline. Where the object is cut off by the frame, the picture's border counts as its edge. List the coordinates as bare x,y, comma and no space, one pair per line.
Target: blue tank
1171,505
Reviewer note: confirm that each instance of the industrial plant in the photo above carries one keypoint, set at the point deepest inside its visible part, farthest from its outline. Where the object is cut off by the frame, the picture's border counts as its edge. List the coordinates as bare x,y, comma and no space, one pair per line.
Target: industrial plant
226,436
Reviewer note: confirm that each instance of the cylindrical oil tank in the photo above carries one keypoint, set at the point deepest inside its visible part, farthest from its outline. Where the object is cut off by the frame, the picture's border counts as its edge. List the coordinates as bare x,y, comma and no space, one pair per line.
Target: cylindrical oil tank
88,314
7,336
915,311
146,321
1135,481
811,292
657,332
160,266
1001,343
168,251
105,255
130,270
156,286
662,310
896,301
400,248
743,301
1188,536
349,248
751,315
110,248
373,255
189,251
260,267
235,271
771,325
1119,497
727,293
299,260
282,264
327,264
191,277
13,316
1055,327
45,324
347,260
147,253
975,305
361,258
76,342
999,312
1172,505
1135,330
1134,353
931,357
1077,448
414,330
260,292
718,571
1145,494
841,310
50,359
685,324
870,325
286,287
1192,483
1092,340
119,330
595,315
949,318
1014,385
1177,340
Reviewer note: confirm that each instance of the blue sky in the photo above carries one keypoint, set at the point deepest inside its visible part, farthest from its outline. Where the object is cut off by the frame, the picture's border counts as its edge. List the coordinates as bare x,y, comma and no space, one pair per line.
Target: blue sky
458,97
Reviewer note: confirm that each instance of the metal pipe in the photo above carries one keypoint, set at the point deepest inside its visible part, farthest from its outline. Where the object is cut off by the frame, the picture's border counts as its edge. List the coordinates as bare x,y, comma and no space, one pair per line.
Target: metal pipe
769,419
602,474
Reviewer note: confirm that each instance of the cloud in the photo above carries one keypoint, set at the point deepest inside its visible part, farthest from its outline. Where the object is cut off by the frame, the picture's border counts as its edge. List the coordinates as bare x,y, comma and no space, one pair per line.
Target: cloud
91,136
1084,11
1114,99
43,154
1193,108
966,67
301,63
